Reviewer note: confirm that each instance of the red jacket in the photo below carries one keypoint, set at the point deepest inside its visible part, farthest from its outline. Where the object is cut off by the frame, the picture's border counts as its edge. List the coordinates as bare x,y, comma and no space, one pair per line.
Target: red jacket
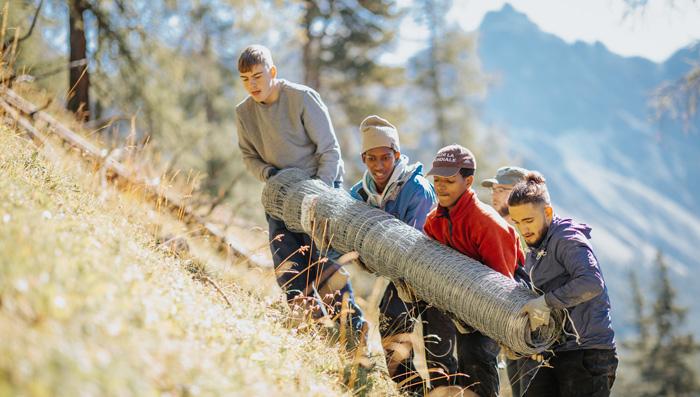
476,230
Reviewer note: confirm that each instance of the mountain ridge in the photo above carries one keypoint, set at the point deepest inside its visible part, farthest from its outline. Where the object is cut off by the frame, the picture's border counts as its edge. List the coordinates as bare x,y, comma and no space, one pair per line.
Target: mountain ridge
583,116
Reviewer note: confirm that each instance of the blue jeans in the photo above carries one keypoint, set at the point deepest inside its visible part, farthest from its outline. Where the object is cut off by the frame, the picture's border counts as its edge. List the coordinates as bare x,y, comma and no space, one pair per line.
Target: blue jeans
302,275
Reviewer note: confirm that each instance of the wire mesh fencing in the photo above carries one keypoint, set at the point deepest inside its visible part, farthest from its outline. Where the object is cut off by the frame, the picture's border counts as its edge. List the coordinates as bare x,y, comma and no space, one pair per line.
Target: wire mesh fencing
447,279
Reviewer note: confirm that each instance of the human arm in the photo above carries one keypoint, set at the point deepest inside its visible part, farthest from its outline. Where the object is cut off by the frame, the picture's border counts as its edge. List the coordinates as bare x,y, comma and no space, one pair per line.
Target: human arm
319,128
251,157
585,282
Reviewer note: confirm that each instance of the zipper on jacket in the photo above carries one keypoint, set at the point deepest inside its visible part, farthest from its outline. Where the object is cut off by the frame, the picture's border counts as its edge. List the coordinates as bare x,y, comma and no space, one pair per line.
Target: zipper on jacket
449,228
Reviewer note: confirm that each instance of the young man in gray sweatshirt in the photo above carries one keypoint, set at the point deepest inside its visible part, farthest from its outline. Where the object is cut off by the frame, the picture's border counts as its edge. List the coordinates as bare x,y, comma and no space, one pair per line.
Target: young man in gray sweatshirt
286,125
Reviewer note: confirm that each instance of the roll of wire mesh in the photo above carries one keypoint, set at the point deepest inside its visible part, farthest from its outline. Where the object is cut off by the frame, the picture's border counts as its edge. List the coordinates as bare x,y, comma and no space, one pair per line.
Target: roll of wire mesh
439,275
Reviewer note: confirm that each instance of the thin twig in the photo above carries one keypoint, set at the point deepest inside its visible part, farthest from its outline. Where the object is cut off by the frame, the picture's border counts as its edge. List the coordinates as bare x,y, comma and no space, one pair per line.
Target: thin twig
216,286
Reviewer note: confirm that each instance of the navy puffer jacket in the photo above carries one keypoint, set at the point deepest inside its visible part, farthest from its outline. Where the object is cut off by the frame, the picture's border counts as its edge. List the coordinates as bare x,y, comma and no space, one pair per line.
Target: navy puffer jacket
566,270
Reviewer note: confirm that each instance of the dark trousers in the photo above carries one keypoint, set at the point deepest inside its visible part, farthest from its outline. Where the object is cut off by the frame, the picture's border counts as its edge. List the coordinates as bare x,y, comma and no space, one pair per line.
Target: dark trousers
520,374
517,373
302,274
589,373
398,317
514,376
477,355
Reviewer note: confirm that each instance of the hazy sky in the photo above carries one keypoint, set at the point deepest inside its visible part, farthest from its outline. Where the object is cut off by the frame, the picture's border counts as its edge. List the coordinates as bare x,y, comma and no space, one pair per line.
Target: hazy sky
653,32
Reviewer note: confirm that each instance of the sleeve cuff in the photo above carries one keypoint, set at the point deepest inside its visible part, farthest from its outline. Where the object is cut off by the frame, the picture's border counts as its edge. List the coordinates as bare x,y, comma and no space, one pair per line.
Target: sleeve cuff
328,181
268,172
552,301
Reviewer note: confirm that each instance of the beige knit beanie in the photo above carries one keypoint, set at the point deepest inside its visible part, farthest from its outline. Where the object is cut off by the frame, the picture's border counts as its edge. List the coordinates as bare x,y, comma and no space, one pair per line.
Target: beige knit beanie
377,132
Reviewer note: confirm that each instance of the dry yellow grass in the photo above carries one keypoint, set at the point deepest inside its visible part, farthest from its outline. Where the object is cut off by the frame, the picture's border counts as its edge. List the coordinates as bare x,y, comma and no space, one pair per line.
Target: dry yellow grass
90,306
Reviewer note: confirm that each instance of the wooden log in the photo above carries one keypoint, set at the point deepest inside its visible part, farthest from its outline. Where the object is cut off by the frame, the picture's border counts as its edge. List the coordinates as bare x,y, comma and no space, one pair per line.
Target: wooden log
159,195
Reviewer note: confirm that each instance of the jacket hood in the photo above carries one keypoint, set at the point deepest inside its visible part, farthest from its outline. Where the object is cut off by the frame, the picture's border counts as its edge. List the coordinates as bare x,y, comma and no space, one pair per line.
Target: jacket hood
565,228
411,169
402,173
564,225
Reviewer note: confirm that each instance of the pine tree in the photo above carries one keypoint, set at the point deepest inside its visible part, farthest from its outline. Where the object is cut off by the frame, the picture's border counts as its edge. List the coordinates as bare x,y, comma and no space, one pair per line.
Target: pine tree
341,59
448,74
641,320
664,362
346,37
78,76
677,100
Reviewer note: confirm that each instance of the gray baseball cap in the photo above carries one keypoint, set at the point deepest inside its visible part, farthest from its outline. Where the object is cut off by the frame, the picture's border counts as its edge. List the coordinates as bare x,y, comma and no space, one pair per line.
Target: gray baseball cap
506,176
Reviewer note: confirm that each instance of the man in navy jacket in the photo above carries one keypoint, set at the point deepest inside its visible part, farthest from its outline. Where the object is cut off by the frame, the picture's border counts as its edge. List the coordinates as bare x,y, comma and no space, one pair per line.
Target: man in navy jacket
565,272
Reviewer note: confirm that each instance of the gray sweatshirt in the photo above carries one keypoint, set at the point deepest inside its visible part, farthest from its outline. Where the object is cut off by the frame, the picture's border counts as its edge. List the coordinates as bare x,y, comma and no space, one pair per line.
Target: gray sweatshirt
293,132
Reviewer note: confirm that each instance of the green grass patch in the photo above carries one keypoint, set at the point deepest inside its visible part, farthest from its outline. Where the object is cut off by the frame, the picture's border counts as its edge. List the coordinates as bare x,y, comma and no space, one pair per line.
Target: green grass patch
90,307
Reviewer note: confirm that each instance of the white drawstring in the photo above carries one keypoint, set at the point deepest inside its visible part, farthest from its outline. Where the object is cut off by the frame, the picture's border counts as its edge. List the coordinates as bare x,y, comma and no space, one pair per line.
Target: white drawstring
563,327
566,311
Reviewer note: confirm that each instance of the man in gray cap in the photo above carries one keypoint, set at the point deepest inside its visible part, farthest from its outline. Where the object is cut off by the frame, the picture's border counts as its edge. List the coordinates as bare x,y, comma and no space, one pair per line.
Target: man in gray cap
501,186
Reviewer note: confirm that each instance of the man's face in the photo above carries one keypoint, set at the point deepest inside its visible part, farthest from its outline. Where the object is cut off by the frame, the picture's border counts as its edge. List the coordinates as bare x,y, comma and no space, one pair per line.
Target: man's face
380,163
499,197
259,81
450,189
532,220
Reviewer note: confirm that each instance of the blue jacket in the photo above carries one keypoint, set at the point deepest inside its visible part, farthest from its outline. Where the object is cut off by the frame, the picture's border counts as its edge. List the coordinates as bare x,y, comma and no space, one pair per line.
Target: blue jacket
565,268
415,198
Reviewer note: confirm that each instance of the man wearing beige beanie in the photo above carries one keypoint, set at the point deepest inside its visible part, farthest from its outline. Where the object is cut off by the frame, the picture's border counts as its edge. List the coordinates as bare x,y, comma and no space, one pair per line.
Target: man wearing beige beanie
392,184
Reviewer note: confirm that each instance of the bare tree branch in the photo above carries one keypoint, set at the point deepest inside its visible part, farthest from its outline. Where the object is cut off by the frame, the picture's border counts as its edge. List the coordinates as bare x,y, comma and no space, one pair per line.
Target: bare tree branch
679,100
31,27
104,25
8,43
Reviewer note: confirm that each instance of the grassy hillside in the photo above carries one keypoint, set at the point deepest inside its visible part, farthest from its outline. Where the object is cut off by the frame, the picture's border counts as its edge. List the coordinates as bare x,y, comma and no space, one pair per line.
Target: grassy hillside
90,304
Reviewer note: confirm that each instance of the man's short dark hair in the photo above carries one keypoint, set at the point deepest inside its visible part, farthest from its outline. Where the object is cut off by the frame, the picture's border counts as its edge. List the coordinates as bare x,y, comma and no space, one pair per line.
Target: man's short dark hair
532,190
466,172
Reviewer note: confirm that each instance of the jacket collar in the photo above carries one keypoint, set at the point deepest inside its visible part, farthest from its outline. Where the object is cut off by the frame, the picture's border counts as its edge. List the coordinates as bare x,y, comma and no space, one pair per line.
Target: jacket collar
541,250
557,226
463,203
402,173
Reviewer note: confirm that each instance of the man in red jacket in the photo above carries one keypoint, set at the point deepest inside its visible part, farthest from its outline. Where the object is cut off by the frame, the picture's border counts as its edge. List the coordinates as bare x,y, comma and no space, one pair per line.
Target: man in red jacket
475,229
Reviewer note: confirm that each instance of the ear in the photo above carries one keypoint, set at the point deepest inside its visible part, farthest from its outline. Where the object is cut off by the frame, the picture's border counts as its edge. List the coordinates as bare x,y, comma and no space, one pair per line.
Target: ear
273,71
549,213
363,159
397,155
469,181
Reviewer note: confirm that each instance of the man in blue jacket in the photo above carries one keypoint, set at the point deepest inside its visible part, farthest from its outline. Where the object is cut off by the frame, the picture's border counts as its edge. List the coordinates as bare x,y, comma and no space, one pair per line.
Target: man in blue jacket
399,188
565,272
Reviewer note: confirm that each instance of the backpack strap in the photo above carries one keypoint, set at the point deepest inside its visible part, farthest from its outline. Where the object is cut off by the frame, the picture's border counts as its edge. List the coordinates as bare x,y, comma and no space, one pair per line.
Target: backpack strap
363,194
